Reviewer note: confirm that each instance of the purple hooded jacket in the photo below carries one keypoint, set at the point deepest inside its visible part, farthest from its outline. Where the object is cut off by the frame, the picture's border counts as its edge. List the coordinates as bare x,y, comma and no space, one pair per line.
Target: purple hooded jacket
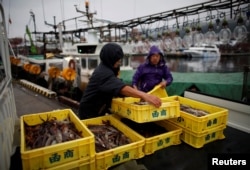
147,75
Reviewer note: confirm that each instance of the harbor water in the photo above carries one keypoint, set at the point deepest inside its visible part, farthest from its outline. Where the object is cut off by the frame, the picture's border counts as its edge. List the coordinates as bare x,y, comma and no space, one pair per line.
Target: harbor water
223,64
225,76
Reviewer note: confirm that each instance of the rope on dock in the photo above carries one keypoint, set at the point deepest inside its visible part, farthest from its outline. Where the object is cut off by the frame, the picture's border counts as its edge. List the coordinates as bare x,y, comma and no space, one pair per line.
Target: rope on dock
39,89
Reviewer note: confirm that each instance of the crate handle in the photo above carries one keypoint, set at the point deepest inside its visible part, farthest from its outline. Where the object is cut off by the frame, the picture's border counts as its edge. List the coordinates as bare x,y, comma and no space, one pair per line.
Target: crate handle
168,104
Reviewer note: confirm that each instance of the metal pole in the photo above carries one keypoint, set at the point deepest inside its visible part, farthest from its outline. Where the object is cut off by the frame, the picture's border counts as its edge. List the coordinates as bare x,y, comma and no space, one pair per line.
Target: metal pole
34,19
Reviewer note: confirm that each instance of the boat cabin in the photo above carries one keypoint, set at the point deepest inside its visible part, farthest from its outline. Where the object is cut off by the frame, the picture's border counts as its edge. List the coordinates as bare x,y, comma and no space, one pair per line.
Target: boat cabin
84,58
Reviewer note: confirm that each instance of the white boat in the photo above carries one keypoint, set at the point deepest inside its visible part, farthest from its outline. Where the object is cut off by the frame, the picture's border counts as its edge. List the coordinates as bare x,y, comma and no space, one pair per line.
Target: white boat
85,57
203,51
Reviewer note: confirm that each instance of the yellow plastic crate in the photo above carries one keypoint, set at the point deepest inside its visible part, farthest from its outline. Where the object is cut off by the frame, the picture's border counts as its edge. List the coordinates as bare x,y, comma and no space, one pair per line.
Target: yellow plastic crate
111,157
198,140
171,137
88,164
127,108
159,92
217,116
58,154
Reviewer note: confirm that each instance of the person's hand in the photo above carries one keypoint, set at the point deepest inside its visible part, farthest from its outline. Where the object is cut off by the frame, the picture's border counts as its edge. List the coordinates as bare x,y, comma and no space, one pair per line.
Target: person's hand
156,101
163,84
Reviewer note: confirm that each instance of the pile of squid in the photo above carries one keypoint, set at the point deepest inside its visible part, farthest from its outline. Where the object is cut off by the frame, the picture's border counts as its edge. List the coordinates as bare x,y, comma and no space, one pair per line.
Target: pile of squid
107,136
193,111
141,103
50,132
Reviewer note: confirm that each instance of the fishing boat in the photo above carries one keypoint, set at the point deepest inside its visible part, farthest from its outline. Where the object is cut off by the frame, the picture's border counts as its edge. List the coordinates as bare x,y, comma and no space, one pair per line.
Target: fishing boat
81,51
84,57
237,131
203,51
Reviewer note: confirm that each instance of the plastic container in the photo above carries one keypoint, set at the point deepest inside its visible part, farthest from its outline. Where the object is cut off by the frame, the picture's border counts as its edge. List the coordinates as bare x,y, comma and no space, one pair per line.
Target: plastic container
127,108
172,137
198,140
58,154
87,164
159,92
120,154
217,116
157,142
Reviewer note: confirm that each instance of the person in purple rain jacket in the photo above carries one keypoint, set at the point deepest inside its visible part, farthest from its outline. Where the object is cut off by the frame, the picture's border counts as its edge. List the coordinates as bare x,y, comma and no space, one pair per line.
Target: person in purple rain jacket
153,72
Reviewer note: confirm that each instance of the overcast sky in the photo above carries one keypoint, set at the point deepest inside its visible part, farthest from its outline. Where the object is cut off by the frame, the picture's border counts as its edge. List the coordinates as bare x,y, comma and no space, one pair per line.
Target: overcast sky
114,10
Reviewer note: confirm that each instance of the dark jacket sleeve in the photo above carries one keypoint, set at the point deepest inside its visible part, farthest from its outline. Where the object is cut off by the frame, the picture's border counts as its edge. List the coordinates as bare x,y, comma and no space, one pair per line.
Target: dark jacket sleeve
113,86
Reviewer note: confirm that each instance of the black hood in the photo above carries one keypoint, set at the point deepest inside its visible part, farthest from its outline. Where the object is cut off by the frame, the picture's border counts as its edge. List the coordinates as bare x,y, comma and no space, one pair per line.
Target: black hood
110,54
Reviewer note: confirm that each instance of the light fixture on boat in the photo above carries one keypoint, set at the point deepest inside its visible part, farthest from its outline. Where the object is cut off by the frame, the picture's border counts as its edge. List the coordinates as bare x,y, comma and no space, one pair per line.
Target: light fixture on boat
187,39
177,41
240,31
225,33
198,36
210,36
86,4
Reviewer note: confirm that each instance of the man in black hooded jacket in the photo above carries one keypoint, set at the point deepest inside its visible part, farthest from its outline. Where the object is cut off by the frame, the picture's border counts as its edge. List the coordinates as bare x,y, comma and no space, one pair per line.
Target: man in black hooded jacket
104,85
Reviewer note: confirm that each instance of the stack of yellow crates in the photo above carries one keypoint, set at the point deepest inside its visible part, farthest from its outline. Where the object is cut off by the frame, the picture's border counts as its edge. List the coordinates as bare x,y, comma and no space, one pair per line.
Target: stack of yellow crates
120,154
129,108
198,131
77,154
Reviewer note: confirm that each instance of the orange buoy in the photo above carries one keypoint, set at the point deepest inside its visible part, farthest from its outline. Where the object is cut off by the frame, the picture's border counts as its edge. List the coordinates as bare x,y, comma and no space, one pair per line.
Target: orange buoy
54,72
69,74
35,69
27,66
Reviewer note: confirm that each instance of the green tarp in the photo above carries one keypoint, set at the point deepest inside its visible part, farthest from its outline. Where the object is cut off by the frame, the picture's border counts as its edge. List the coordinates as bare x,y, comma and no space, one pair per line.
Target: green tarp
226,85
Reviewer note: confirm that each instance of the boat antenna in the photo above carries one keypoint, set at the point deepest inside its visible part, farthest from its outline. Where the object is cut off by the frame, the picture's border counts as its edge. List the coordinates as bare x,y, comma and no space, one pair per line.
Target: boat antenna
43,11
52,25
46,23
62,10
34,19
87,13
